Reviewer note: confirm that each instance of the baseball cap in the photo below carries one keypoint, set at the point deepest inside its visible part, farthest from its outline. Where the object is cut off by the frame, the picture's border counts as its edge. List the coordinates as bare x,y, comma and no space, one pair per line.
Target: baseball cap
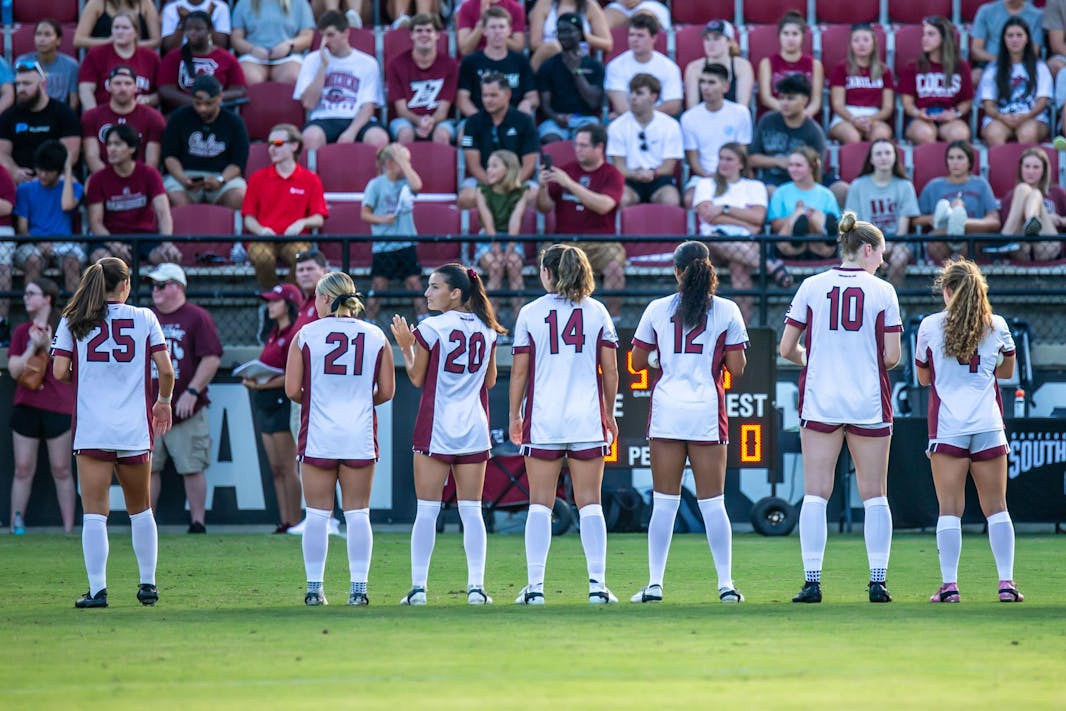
722,27
168,271
287,292
572,18
122,70
207,84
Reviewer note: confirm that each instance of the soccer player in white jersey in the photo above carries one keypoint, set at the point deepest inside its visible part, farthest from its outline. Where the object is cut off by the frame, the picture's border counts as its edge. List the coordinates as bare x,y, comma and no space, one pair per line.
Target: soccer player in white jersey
104,347
338,369
452,357
691,335
850,323
959,353
561,407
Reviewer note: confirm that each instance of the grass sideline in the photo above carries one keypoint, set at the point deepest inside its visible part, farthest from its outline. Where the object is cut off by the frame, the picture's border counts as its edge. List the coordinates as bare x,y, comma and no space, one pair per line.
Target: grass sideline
231,630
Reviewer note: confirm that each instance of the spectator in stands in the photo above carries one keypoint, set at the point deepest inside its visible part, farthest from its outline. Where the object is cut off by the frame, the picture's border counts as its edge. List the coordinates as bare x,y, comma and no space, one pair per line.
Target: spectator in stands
198,56
1015,90
496,58
205,150
310,267
7,251
97,19
96,68
341,89
422,84
358,12
544,22
7,86
271,38
709,125
641,57
585,196
122,107
388,207
645,145
1035,206
60,70
195,351
283,198
34,119
804,207
790,59
620,12
779,133
177,12
45,207
883,196
127,197
501,205
986,32
497,127
861,92
936,91
1054,26
570,84
720,47
472,25
957,203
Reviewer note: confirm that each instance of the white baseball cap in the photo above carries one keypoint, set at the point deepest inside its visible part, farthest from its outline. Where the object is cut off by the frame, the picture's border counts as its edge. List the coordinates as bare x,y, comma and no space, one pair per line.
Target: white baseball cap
168,271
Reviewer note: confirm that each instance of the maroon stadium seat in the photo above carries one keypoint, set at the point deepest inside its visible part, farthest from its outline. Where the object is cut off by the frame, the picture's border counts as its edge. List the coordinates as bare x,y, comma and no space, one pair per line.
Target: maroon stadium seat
33,10
688,44
562,152
851,156
433,218
700,12
22,40
437,165
621,42
651,219
762,42
770,11
968,10
835,42
912,11
929,163
361,39
1003,165
203,220
399,41
344,220
270,103
835,11
346,167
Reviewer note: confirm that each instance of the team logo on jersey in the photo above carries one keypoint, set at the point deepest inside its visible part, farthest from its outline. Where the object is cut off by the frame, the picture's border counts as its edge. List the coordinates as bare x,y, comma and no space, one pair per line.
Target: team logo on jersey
424,93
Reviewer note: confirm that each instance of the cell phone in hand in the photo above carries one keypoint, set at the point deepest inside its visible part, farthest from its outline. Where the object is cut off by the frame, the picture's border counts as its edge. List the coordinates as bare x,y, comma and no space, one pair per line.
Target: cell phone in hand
546,162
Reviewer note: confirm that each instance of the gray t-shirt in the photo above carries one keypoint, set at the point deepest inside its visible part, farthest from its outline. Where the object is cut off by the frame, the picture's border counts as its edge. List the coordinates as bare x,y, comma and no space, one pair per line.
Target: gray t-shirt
773,137
990,18
272,26
61,75
882,206
385,197
976,195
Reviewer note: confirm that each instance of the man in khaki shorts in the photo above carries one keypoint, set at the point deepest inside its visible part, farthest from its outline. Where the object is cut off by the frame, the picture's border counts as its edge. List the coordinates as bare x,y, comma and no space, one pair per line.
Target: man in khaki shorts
195,351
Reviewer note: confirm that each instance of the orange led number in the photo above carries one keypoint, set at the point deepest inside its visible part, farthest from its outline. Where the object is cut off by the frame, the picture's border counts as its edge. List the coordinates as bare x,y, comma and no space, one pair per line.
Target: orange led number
612,456
641,380
727,379
751,443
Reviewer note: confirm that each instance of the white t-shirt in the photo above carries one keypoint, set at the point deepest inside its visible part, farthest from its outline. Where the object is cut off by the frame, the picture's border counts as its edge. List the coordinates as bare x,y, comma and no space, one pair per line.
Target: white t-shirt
662,140
341,357
743,193
351,82
846,313
705,131
688,399
625,66
964,397
453,412
563,401
217,9
1018,101
112,379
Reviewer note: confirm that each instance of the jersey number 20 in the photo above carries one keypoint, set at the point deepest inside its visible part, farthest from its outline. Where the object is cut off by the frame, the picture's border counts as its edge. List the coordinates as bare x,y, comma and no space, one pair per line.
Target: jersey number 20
474,346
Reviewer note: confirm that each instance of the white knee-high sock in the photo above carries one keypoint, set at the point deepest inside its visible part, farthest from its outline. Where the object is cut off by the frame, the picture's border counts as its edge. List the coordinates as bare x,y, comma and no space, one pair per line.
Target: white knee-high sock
719,538
474,541
95,548
316,543
660,534
360,543
145,544
538,541
423,538
949,547
877,530
1001,539
594,541
813,532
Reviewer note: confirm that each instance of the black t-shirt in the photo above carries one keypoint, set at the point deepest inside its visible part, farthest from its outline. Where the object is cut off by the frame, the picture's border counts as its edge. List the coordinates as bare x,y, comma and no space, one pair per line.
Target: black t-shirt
773,137
29,129
205,146
516,133
514,66
554,76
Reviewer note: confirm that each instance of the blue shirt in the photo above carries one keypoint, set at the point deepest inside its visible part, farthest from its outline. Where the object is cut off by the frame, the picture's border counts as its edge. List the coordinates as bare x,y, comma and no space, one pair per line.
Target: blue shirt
783,202
42,208
383,197
6,75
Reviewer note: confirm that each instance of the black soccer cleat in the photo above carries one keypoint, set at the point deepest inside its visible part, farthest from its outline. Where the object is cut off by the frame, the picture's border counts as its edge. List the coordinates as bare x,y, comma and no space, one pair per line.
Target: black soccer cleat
879,593
811,592
88,600
147,595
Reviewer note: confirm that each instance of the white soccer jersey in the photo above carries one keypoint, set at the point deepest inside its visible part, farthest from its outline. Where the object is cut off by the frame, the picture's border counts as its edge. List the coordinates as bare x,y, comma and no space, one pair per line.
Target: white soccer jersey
453,413
564,400
688,399
964,398
341,357
111,372
846,314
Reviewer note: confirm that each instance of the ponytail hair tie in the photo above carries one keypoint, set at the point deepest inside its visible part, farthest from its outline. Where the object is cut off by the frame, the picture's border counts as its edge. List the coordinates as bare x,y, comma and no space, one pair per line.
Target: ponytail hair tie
472,274
337,301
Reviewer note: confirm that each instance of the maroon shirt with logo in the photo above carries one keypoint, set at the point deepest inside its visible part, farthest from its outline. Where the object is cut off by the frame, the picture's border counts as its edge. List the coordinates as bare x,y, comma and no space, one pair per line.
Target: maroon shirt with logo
571,216
127,201
99,61
308,312
276,349
423,89
191,336
148,123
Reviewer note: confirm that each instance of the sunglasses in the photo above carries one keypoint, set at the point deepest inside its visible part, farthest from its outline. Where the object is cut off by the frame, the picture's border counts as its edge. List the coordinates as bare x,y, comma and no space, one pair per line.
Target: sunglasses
28,66
643,141
278,143
160,285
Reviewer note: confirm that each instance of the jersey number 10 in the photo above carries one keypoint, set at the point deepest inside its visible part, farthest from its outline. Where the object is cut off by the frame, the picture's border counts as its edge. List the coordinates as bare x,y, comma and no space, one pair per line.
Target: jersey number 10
845,308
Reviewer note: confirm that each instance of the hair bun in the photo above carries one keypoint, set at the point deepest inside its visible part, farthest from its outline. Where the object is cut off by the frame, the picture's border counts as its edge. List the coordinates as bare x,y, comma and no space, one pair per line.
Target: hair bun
847,222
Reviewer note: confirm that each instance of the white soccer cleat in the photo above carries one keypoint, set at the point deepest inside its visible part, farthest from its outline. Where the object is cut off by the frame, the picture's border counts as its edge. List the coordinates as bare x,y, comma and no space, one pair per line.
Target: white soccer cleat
417,596
529,596
651,593
477,596
600,595
298,529
730,596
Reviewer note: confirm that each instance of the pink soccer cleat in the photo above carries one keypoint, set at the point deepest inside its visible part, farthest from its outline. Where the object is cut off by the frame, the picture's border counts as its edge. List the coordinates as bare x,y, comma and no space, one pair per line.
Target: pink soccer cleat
948,592
1008,592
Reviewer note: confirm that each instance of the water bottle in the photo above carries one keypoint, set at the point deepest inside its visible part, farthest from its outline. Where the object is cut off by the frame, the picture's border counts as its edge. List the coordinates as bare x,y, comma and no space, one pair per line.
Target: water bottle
1019,403
237,255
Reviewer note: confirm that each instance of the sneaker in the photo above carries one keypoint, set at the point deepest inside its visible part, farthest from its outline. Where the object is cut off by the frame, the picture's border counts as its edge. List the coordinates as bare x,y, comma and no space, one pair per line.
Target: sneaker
88,600
948,592
197,527
335,527
529,597
314,599
956,225
354,19
147,595
878,592
811,592
18,526
401,22
730,596
1033,226
417,596
940,215
651,593
477,596
1008,592
801,226
600,595
358,599
297,529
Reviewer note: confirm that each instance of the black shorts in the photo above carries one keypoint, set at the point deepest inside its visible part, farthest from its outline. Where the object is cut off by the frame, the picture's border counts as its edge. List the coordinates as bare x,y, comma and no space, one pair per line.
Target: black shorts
333,128
273,408
36,423
398,264
645,190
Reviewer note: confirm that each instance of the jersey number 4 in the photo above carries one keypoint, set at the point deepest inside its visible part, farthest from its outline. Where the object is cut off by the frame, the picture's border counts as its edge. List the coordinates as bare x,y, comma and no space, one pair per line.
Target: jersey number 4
573,333
340,343
845,308
475,346
124,349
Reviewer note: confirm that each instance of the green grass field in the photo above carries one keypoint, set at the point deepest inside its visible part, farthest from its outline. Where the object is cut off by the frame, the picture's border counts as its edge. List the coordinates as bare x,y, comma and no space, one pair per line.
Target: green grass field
231,630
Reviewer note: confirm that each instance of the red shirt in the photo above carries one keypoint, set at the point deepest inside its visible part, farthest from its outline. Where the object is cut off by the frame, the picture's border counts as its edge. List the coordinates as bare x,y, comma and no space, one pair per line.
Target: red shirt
571,217
148,122
127,201
423,89
99,61
54,396
932,90
860,89
781,68
277,202
470,14
276,349
218,63
191,336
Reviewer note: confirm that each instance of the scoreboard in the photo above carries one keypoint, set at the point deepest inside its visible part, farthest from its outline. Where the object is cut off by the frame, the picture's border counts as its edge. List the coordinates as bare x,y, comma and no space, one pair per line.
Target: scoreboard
749,405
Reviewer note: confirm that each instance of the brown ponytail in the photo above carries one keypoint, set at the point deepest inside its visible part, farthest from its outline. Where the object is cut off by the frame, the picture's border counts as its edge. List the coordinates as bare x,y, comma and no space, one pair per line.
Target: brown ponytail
699,281
472,293
969,313
854,233
88,306
570,271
